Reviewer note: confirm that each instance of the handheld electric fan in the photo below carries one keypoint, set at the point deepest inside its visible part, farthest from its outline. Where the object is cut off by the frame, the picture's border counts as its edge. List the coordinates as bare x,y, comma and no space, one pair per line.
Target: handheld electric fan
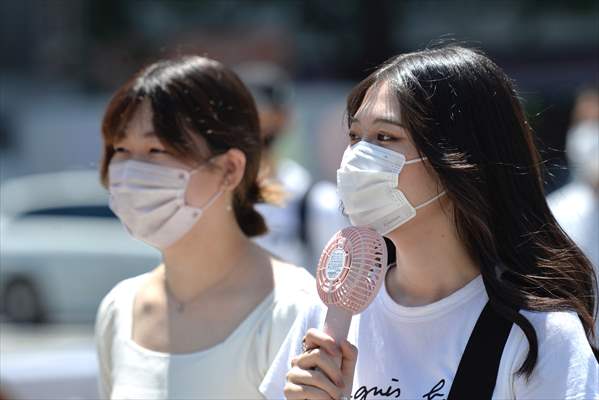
350,272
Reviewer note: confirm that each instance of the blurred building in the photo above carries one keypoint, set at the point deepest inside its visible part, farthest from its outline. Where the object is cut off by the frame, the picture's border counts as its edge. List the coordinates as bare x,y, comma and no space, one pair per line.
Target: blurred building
79,51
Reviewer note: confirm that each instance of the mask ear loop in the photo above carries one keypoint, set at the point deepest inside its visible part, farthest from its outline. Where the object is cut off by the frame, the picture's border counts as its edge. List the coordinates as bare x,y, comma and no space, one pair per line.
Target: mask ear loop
212,199
415,160
216,195
426,203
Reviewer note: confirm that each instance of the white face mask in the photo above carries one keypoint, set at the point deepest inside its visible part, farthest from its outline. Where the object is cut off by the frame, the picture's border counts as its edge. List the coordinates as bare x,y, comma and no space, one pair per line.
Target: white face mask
149,199
367,186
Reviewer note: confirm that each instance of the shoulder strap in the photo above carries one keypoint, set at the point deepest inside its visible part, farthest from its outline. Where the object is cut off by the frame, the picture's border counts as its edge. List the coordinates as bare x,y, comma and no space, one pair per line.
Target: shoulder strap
477,371
391,256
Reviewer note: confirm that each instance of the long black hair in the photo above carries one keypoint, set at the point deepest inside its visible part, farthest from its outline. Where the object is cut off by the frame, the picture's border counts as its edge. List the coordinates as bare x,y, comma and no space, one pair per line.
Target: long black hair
464,114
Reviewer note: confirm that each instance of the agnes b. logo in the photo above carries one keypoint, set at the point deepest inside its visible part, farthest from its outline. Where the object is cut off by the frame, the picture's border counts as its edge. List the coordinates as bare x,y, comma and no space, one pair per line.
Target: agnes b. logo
394,392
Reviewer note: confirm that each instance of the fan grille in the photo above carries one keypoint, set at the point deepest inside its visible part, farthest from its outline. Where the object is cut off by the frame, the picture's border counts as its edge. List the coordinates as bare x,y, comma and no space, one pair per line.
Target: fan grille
351,268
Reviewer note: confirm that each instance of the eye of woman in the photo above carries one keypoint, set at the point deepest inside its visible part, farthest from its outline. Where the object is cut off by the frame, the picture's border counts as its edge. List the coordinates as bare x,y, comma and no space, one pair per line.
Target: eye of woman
155,150
119,149
383,137
353,137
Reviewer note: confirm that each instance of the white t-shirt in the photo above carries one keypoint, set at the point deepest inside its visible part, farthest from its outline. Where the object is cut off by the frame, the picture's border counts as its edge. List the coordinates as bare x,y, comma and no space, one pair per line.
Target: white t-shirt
414,352
232,369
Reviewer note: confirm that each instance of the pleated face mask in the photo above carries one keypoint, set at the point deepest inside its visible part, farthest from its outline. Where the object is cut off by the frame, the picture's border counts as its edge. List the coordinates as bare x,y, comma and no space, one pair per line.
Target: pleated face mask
149,199
367,185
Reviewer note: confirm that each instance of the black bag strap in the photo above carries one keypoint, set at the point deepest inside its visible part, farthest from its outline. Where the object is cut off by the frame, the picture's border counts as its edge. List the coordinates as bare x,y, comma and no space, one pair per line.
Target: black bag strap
303,216
477,372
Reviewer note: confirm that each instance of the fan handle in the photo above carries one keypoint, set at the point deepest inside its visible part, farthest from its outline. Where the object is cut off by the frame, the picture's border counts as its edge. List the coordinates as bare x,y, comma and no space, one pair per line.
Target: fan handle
336,323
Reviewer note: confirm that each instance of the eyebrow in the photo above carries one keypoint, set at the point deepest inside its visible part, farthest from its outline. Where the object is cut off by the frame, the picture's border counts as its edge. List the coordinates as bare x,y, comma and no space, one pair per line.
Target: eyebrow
149,134
381,120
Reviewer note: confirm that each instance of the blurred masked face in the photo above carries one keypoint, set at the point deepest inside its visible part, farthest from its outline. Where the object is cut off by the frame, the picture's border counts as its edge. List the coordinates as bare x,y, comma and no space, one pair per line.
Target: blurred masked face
586,107
582,150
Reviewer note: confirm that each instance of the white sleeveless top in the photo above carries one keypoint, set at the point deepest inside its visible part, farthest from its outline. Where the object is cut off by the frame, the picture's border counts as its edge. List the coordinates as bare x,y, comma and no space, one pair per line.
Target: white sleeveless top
232,369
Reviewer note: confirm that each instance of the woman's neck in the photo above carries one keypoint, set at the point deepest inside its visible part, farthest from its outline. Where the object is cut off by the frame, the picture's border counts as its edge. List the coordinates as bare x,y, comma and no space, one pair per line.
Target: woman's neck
432,261
207,258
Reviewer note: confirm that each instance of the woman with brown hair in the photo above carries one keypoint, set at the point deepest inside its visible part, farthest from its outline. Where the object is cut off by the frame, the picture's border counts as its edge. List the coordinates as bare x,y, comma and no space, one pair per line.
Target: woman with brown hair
488,298
181,159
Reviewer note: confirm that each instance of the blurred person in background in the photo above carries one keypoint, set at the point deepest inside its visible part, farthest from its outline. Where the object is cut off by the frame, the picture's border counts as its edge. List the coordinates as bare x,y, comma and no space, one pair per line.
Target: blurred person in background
181,160
488,297
310,214
576,205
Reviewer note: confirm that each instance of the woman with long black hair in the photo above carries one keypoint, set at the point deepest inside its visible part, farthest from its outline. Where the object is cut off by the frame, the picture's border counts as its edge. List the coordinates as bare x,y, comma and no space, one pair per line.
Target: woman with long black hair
488,298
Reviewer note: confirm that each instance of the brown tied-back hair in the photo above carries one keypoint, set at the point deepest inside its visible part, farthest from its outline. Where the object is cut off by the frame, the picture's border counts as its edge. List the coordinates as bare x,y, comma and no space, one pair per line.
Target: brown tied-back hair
196,97
463,113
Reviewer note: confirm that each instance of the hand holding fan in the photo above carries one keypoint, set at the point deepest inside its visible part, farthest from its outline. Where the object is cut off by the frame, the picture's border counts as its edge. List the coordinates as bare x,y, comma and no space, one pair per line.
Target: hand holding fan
350,272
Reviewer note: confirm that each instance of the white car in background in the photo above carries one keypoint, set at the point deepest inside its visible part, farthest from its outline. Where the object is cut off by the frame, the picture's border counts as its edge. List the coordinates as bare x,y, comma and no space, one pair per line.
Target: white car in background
61,247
